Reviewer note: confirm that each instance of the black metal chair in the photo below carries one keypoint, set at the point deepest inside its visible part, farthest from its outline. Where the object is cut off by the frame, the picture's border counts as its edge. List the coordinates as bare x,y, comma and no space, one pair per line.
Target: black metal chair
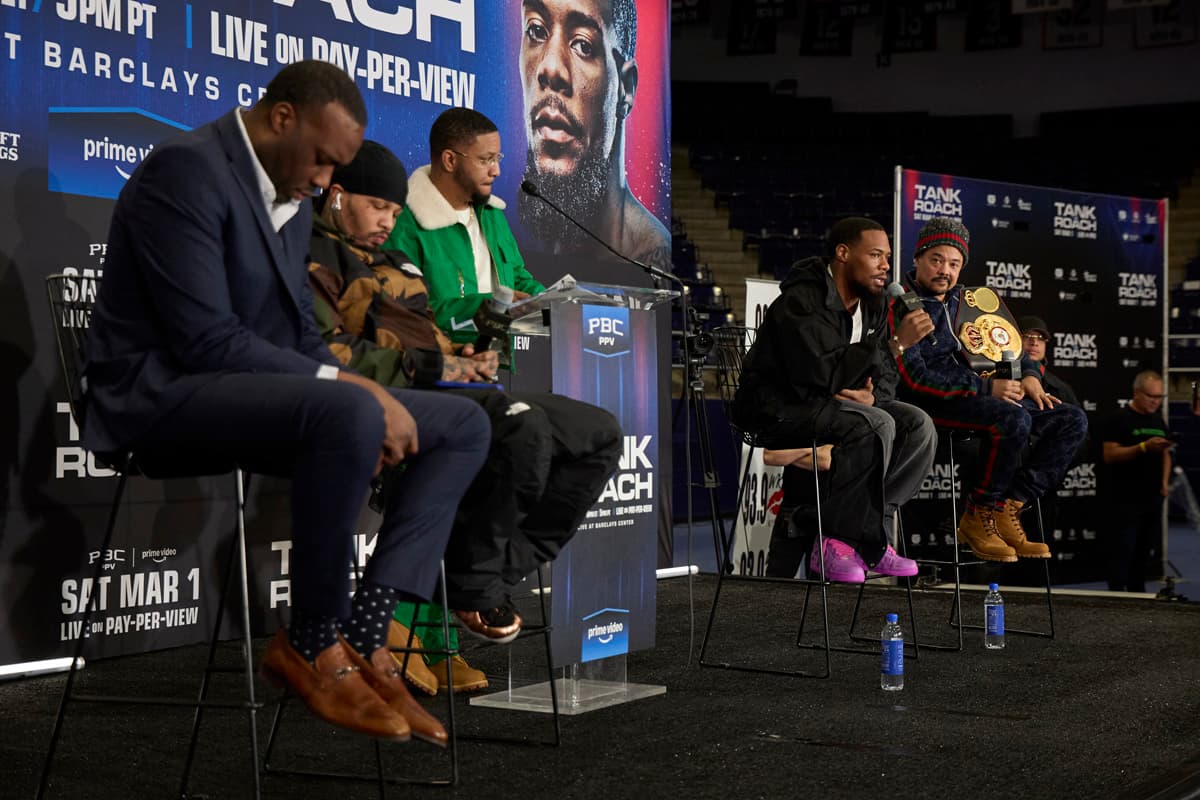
961,557
732,342
71,301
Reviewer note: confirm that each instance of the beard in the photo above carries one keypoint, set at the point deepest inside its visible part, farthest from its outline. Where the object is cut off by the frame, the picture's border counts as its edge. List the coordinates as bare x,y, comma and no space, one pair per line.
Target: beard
580,194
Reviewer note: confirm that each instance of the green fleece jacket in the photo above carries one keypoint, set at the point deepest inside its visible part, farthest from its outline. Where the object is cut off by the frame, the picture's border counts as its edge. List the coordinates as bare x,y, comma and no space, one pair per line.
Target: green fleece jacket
429,232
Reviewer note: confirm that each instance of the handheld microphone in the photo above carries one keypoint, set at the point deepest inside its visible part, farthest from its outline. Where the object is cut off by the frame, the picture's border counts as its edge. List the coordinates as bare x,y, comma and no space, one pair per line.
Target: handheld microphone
1009,368
491,319
896,291
531,189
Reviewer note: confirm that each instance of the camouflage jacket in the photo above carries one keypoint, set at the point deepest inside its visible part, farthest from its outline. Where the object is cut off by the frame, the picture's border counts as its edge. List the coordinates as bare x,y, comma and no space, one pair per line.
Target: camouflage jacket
372,307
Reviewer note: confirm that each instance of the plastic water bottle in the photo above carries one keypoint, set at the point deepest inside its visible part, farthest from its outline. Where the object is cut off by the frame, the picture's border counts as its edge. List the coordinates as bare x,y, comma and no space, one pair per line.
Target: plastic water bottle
993,619
891,645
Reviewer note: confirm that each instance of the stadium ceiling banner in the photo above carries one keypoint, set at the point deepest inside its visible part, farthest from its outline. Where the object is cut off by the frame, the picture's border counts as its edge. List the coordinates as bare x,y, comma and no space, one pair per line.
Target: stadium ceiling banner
1093,267
91,87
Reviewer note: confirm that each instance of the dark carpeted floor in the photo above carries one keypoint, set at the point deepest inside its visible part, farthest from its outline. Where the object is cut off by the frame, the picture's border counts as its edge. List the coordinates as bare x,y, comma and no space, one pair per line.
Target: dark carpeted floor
1107,709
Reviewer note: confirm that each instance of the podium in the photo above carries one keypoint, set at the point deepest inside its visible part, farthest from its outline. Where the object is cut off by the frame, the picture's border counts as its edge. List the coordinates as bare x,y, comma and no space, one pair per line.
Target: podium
597,344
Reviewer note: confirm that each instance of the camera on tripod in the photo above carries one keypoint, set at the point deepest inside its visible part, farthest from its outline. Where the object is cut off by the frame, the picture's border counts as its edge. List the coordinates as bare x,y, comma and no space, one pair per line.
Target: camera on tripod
700,343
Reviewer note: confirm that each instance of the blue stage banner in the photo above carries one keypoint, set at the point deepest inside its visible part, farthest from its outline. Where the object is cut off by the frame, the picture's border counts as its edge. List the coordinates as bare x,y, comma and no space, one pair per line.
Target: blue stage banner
1092,266
604,579
89,89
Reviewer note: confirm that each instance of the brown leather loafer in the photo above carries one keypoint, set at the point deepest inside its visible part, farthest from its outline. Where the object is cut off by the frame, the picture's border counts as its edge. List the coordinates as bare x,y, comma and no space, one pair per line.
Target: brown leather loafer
334,690
500,625
382,673
415,670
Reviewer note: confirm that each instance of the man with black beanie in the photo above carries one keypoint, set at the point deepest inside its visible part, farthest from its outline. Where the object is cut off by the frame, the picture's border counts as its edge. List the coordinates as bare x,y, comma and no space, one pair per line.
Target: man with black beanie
549,455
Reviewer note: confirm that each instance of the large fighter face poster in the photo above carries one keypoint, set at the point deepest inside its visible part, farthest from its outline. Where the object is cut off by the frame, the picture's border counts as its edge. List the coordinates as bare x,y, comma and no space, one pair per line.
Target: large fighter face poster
577,90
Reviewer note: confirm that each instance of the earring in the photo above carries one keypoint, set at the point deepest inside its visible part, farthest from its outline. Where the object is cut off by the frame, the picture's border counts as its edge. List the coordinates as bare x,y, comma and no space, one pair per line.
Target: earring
337,202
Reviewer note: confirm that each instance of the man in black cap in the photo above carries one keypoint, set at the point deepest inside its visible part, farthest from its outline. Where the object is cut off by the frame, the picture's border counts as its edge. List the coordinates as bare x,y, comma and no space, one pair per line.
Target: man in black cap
1035,335
549,456
936,376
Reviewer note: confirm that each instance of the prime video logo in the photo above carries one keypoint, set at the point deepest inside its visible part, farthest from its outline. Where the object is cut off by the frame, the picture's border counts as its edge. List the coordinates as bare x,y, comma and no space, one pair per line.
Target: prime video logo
107,150
605,633
93,151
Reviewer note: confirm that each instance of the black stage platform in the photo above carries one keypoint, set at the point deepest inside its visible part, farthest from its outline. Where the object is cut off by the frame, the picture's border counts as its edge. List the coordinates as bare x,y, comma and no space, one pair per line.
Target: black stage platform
1110,708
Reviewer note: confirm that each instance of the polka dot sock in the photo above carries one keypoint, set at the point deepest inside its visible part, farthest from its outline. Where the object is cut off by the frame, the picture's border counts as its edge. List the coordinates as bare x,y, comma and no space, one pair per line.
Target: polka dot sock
370,613
310,634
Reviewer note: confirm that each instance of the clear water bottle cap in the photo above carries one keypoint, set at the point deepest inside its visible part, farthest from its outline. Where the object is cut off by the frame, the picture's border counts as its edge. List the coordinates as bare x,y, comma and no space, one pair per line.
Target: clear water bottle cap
892,618
993,587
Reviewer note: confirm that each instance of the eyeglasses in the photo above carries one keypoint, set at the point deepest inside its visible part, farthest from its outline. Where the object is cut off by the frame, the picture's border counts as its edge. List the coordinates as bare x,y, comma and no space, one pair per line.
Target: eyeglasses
488,161
1035,337
1152,396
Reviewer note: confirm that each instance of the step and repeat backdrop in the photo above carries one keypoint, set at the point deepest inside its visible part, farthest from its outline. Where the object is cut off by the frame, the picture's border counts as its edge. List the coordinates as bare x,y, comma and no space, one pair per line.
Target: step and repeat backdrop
90,87
1093,267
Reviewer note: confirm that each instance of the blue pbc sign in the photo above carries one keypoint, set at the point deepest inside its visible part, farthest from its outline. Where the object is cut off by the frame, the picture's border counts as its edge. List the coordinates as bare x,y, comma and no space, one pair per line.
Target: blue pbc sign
606,330
605,633
93,151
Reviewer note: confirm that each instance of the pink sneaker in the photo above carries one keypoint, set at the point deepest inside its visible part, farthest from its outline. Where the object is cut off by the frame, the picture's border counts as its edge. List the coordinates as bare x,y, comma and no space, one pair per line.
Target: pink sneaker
895,564
842,564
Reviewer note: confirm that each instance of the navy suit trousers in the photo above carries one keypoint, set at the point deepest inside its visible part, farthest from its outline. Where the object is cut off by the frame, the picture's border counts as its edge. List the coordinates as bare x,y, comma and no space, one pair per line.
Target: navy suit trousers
326,436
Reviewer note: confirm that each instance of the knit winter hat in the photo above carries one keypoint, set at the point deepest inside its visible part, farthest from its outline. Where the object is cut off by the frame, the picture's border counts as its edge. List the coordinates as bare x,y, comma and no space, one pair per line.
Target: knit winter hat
375,172
943,231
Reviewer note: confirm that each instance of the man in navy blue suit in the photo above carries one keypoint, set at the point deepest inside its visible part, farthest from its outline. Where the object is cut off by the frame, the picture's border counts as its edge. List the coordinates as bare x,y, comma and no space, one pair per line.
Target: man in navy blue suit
203,348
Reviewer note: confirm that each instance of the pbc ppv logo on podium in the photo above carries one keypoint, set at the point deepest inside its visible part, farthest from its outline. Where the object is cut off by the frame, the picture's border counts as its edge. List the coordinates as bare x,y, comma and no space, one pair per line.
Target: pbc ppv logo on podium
605,633
606,330
93,151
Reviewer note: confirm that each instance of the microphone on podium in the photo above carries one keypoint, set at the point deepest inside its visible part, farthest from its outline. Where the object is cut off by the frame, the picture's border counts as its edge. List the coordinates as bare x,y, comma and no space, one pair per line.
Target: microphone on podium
530,188
896,291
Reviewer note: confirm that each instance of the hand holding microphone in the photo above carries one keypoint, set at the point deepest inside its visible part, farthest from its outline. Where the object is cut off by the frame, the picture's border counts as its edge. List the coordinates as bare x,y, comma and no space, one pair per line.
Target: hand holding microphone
917,323
1006,380
492,321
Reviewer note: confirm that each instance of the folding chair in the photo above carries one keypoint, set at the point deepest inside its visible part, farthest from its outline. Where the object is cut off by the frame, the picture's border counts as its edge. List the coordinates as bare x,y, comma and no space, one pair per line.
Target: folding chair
70,311
732,343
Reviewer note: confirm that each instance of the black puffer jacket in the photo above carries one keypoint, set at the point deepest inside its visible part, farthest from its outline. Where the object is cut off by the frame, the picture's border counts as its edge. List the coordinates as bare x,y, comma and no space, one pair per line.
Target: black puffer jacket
801,355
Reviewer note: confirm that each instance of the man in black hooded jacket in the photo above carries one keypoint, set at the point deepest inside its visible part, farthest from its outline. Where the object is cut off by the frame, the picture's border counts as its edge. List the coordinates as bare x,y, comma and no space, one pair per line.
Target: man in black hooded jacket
822,367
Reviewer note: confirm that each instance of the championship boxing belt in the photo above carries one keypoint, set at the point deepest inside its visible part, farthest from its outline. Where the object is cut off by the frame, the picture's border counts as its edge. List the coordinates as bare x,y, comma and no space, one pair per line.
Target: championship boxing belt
986,328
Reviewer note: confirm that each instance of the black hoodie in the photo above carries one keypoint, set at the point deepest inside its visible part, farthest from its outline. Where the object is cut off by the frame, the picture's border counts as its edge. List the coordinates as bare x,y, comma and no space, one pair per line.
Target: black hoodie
802,357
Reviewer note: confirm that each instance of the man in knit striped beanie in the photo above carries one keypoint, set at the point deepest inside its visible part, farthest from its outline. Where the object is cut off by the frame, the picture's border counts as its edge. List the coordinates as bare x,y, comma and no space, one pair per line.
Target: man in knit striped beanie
943,231
935,376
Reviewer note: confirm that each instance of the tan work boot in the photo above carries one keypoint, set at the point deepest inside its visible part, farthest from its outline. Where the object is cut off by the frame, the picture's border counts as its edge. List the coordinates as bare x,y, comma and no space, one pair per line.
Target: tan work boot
1008,526
415,670
466,677
977,529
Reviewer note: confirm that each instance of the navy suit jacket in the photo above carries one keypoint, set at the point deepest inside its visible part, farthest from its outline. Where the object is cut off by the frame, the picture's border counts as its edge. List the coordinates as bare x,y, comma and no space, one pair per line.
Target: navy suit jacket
196,282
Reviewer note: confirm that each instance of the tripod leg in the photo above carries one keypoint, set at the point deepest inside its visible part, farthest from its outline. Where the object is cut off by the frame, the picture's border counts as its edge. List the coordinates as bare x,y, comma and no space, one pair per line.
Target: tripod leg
708,469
